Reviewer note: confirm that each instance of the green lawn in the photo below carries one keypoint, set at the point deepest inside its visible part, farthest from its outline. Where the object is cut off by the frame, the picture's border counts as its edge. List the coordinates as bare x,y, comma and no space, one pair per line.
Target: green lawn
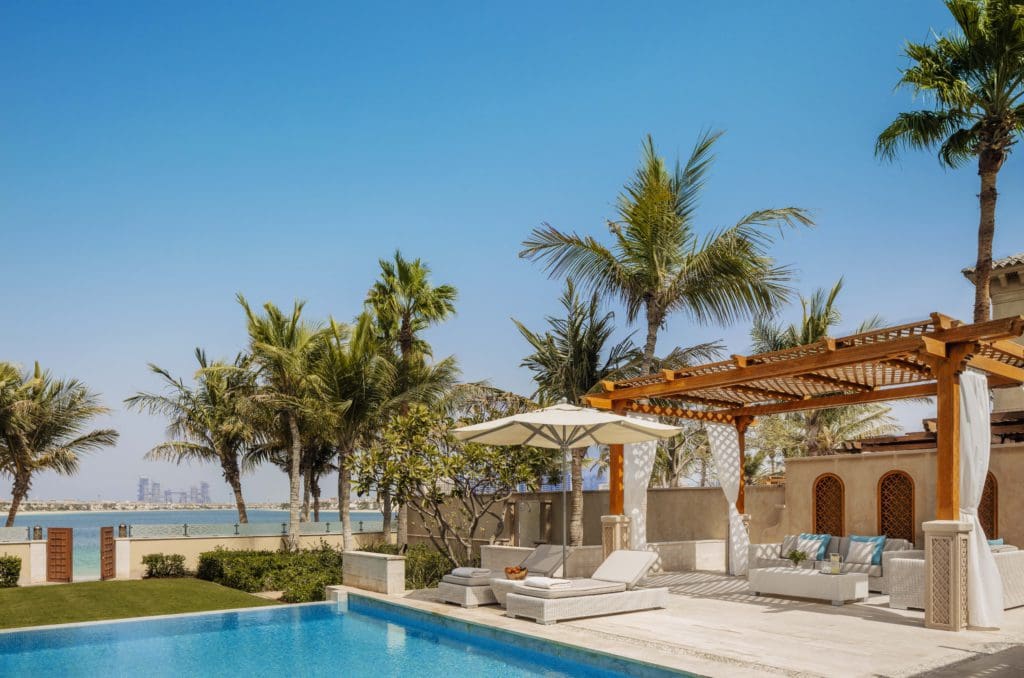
89,601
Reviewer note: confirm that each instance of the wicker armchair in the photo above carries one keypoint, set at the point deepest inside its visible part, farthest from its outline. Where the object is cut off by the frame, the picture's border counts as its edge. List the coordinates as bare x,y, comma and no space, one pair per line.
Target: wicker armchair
906,574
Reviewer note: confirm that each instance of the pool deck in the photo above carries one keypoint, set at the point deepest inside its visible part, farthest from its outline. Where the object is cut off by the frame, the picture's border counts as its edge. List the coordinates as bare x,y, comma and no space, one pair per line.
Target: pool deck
715,627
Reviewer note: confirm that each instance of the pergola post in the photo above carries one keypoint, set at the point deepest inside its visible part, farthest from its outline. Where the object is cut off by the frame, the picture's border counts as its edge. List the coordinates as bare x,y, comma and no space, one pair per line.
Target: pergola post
616,473
741,423
615,526
947,369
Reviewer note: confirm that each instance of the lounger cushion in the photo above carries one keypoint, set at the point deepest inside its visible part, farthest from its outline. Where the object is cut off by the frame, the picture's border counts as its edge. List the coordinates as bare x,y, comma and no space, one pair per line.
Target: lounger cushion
467,581
579,587
625,567
546,560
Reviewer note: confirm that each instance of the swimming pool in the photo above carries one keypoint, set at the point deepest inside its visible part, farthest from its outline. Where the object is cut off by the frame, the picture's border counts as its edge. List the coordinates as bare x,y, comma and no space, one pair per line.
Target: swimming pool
363,637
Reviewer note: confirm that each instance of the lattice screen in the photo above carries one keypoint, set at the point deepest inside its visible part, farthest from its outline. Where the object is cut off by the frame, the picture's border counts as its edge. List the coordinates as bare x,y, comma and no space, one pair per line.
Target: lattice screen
988,509
828,505
896,506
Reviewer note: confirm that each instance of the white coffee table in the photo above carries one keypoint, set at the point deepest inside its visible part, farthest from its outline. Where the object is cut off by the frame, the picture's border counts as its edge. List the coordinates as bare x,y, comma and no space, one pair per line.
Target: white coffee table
801,583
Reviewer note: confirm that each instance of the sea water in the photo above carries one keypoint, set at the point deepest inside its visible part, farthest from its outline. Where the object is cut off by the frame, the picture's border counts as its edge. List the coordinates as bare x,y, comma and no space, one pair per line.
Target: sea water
87,524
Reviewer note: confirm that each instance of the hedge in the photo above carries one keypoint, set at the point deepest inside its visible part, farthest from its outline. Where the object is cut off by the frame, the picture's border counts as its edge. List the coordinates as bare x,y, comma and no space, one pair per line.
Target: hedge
10,571
159,565
424,565
301,575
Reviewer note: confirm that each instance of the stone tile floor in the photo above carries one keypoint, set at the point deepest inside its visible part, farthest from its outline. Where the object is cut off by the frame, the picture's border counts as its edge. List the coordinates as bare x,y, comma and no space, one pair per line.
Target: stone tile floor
714,626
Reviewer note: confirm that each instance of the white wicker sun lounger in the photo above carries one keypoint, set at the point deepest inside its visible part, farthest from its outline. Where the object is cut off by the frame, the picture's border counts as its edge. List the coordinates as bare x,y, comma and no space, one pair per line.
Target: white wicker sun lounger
545,560
609,591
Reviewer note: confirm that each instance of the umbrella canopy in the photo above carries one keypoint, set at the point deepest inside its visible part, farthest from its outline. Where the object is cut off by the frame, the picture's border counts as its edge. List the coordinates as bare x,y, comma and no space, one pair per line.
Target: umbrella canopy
564,426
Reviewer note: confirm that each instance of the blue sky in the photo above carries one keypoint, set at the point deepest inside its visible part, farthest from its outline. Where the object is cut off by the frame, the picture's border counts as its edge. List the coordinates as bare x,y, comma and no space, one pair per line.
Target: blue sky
157,158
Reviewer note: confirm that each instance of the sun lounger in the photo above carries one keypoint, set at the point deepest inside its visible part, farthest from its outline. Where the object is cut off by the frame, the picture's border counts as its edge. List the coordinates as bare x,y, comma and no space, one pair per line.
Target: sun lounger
609,591
546,560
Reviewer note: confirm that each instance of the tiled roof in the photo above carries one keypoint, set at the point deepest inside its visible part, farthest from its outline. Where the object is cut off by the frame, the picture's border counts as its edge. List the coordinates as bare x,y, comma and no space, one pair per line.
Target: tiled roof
1005,262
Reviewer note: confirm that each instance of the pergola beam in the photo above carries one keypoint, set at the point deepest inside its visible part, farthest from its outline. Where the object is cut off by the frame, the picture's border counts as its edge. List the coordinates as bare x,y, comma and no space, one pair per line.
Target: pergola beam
842,384
882,395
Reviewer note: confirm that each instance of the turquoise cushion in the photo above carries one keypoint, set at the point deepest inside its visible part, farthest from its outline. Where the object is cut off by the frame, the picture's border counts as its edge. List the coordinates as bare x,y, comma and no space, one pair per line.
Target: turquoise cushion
823,538
876,559
995,542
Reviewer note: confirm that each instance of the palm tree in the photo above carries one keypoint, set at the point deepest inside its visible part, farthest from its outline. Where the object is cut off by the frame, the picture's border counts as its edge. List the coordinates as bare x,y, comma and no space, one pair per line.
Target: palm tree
207,422
42,420
283,348
816,432
974,80
360,389
660,264
405,303
568,360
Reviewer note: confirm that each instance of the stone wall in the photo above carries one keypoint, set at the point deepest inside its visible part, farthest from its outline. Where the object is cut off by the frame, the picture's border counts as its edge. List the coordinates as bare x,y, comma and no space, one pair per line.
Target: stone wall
860,474
129,551
673,515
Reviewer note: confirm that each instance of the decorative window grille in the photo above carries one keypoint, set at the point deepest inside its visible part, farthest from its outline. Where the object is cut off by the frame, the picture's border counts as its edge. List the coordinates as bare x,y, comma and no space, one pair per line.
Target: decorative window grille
988,509
828,505
896,506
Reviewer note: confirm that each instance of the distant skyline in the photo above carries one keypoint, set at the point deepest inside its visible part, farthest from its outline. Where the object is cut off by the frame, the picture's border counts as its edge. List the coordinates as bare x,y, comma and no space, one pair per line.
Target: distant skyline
157,159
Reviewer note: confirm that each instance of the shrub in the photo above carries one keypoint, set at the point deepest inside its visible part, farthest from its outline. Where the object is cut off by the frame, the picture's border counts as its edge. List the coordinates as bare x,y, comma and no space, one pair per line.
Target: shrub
301,575
160,565
424,565
10,570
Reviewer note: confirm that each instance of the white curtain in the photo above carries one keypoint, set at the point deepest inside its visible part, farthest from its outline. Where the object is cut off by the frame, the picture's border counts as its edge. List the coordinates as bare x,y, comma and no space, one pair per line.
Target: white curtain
725,450
638,463
984,586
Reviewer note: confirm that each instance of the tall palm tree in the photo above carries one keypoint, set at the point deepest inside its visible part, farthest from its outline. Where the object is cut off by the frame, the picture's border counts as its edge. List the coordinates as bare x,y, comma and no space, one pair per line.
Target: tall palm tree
659,264
974,81
360,389
208,421
405,302
816,432
283,347
43,424
568,360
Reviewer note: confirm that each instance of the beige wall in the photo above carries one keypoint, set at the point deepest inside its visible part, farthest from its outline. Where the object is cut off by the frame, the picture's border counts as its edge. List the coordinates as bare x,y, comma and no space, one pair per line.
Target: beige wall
191,547
20,549
677,514
860,474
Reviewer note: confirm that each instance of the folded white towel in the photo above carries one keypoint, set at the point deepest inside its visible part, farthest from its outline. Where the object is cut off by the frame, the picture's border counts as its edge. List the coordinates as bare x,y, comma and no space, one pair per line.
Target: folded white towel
547,583
471,572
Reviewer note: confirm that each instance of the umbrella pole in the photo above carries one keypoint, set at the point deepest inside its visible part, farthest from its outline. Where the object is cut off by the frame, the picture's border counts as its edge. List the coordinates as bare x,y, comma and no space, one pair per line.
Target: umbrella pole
565,512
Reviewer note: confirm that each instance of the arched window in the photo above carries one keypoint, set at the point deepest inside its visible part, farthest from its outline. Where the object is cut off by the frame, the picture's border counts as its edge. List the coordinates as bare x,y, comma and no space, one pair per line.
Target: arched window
988,509
828,505
896,506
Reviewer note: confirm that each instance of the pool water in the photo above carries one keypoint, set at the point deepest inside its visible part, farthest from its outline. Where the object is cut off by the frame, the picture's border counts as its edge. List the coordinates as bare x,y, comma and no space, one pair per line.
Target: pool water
363,638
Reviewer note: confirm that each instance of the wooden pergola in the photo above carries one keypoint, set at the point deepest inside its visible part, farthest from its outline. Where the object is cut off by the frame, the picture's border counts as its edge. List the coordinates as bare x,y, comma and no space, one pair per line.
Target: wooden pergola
913,360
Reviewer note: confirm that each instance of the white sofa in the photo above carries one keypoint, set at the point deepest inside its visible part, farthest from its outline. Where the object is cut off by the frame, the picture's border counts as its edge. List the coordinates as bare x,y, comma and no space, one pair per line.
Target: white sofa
774,555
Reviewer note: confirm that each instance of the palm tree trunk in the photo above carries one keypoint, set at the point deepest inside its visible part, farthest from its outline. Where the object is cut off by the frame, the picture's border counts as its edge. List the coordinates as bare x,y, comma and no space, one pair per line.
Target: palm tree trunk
385,509
18,492
344,490
294,479
235,481
986,232
576,516
653,325
314,485
304,515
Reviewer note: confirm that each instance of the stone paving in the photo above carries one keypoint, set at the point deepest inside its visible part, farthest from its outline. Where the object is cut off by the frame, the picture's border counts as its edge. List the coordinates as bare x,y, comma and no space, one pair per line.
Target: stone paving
714,626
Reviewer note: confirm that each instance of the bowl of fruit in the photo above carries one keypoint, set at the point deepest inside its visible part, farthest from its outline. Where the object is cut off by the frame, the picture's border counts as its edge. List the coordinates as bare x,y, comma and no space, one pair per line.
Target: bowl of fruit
516,573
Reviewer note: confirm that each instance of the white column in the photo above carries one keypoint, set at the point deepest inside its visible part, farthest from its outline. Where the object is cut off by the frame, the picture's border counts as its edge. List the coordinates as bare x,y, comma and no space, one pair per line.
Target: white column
37,556
123,558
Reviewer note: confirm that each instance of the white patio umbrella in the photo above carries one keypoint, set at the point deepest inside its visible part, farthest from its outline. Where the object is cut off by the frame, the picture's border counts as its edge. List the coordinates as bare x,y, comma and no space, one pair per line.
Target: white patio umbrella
565,427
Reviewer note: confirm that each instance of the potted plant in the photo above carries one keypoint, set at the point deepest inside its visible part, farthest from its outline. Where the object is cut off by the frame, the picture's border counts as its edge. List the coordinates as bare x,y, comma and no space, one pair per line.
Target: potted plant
796,557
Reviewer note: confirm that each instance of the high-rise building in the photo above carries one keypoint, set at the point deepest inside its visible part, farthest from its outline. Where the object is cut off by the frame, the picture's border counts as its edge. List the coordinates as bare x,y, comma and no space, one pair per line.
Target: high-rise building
143,494
204,492
155,495
193,495
168,496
